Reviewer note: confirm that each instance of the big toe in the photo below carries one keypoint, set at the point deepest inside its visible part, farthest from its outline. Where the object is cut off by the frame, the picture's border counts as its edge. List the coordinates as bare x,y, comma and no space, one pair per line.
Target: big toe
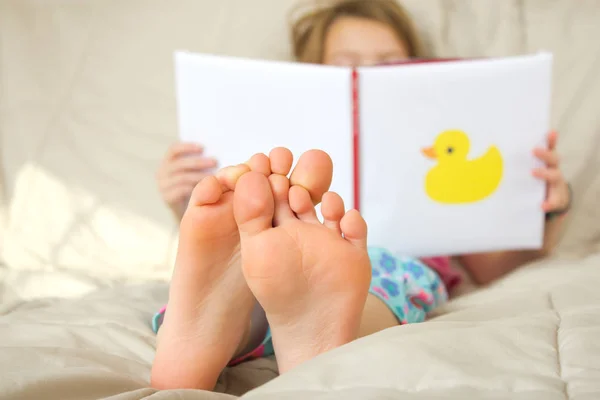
253,204
314,172
207,191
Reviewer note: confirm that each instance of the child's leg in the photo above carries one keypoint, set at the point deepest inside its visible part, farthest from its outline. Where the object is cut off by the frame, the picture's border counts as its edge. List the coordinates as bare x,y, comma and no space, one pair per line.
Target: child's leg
209,302
403,290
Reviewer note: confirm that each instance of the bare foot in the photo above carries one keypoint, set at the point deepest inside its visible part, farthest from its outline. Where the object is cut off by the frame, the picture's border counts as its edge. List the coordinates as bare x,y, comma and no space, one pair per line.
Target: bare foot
209,302
311,281
209,308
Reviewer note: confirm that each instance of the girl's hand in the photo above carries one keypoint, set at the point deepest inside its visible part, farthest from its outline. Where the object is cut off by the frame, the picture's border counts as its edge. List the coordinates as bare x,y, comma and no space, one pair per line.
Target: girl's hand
181,169
558,197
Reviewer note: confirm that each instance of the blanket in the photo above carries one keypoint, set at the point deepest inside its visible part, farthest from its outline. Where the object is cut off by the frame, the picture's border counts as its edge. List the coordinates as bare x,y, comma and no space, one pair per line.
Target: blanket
532,335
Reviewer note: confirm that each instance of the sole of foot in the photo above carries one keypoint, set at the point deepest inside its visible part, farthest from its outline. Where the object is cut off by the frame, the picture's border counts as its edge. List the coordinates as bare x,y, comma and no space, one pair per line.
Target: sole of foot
311,278
209,303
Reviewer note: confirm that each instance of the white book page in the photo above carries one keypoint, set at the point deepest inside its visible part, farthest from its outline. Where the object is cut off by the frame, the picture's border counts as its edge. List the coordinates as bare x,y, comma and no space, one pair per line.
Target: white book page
236,108
503,103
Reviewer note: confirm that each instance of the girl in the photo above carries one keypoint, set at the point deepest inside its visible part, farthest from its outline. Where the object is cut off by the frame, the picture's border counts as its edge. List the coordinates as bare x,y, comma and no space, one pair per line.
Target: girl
213,314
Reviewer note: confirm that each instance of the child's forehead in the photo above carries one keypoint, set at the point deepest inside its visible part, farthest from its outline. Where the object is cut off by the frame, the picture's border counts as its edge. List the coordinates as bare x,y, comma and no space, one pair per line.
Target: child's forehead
354,33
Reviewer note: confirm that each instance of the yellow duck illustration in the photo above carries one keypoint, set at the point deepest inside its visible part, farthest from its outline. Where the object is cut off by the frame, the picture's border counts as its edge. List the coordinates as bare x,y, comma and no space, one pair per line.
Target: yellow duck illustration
455,179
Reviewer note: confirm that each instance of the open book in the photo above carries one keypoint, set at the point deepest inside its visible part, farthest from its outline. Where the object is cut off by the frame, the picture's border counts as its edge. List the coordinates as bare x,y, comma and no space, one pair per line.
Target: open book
436,156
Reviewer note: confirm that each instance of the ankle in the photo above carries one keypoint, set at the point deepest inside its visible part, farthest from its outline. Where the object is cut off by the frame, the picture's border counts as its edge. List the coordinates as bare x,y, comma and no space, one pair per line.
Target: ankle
255,333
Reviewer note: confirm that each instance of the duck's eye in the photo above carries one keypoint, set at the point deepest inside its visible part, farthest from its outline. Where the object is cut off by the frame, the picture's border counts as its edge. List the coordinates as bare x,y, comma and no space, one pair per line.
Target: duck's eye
450,150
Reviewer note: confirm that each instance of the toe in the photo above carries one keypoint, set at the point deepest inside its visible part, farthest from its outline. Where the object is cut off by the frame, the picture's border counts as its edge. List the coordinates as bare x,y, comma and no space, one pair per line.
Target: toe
313,172
302,205
333,211
280,186
260,163
281,161
209,205
253,204
229,176
354,228
207,191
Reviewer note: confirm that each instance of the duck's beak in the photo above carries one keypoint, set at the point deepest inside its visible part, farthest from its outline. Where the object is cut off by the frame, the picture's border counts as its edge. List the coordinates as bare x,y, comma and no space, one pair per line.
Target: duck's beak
429,152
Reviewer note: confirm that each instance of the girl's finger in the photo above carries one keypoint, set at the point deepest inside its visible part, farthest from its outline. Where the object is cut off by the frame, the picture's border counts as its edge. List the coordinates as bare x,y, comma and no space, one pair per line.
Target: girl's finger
188,178
550,175
180,149
191,164
549,157
166,184
549,205
555,202
179,193
546,206
552,140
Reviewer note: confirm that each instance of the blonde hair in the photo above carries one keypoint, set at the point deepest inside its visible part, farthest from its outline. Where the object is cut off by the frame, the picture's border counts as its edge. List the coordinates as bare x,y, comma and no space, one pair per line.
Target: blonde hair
310,29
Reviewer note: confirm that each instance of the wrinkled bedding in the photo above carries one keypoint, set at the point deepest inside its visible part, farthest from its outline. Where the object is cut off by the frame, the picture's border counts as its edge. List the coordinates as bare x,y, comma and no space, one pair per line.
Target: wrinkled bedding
532,335
98,346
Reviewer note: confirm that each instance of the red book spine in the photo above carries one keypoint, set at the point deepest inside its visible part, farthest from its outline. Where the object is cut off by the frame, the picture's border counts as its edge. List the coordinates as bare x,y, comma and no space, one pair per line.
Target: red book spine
356,137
